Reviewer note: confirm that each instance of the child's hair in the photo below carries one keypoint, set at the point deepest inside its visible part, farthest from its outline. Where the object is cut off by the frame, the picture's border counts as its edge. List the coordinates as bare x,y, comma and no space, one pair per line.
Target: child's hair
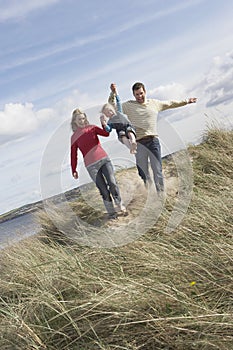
107,105
75,113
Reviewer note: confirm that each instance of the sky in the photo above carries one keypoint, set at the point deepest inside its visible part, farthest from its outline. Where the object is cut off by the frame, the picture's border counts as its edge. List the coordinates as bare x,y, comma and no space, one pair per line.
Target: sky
57,55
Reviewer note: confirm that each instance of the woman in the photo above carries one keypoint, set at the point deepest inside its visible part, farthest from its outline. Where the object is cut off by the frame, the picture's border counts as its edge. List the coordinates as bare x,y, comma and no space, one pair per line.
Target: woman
96,160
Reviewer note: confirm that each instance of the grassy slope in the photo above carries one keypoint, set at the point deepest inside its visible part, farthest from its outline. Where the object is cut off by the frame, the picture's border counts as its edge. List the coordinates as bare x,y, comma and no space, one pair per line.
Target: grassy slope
162,291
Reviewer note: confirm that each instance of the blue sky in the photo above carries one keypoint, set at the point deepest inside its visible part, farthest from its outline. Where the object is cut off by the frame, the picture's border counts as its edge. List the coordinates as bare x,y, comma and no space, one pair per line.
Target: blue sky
57,55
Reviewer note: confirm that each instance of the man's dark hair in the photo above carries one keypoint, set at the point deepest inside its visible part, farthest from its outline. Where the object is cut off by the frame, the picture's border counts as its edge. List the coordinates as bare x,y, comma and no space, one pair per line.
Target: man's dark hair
137,86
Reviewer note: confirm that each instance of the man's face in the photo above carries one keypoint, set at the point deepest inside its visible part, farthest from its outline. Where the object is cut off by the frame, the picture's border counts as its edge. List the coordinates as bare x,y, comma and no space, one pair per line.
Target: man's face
140,95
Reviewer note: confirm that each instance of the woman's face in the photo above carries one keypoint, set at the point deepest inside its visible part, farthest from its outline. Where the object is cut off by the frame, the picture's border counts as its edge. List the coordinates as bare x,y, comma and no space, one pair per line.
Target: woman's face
80,120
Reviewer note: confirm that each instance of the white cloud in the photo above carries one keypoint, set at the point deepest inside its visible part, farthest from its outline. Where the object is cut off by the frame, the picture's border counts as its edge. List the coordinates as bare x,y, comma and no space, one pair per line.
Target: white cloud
216,88
20,119
214,93
219,82
14,9
17,119
74,100
173,91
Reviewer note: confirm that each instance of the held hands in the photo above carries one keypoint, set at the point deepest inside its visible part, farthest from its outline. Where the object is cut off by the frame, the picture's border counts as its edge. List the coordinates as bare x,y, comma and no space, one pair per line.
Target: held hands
75,175
192,100
103,120
113,88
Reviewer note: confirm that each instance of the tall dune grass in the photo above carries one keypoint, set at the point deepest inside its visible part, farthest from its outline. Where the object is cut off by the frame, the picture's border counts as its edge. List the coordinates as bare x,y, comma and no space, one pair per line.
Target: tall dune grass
162,291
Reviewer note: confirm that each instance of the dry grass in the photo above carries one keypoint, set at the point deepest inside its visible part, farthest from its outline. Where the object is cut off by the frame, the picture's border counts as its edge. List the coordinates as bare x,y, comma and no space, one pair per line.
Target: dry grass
160,291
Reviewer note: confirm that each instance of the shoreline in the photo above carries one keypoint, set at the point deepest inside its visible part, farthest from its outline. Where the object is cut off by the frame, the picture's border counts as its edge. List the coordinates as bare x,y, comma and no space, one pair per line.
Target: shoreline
38,205
33,207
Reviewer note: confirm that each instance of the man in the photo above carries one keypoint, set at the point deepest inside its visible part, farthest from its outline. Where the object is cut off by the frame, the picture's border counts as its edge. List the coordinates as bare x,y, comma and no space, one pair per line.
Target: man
143,114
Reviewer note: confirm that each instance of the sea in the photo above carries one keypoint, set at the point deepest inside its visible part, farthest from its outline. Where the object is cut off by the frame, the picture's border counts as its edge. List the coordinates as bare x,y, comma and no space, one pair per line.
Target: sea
13,230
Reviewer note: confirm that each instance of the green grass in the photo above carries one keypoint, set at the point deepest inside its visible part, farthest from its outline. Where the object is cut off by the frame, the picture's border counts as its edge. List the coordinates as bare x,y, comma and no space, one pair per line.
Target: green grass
161,291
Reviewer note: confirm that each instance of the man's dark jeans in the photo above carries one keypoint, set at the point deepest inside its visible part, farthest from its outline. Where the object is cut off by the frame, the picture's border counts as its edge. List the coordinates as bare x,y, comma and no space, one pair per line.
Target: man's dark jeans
149,149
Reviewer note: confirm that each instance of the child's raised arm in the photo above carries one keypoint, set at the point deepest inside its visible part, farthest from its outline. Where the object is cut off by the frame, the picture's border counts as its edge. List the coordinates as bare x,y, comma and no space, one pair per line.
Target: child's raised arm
118,104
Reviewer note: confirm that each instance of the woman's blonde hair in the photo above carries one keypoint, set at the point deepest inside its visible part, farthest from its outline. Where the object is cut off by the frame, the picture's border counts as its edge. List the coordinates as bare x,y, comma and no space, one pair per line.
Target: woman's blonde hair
75,113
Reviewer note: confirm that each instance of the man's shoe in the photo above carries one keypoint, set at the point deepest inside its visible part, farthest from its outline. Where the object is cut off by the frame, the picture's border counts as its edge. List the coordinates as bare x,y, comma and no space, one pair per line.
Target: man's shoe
121,208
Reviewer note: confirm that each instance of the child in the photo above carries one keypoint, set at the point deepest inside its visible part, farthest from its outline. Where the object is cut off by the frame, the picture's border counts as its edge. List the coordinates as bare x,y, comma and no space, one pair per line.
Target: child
120,122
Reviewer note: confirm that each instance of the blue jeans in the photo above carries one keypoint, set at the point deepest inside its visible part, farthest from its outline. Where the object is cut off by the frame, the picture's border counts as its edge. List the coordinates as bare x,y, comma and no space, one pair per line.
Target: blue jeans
102,173
149,148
